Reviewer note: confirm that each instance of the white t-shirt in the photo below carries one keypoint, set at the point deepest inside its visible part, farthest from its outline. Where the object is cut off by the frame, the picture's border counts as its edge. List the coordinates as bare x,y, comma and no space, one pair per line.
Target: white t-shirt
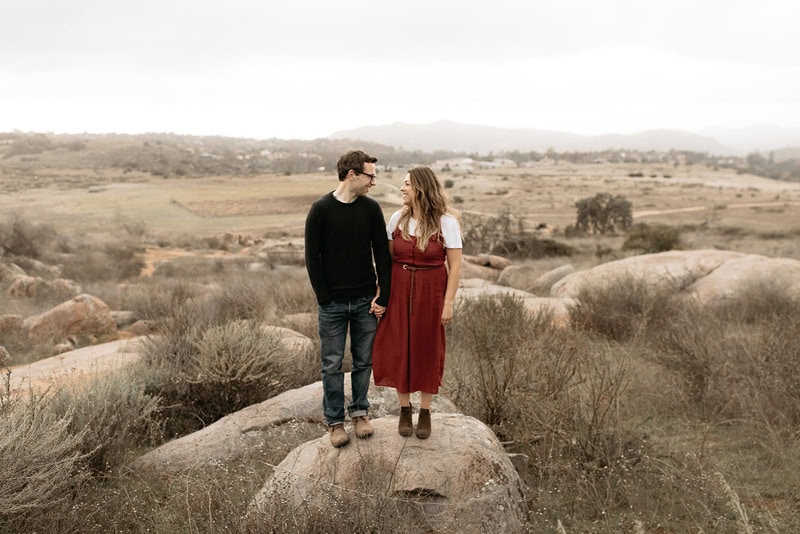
451,231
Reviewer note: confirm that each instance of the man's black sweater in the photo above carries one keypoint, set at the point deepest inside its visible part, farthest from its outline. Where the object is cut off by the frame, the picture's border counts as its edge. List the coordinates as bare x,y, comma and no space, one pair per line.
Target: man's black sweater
341,242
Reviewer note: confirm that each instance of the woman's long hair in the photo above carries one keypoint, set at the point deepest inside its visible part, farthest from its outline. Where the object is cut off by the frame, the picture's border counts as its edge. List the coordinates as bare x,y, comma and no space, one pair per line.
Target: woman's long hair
430,203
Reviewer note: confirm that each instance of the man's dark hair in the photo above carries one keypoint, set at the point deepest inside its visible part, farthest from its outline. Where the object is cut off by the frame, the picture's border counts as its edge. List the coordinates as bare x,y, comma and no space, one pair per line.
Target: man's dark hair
353,161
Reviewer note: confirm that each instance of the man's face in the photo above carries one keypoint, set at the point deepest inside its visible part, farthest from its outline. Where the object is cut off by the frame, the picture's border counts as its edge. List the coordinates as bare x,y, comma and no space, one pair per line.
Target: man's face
364,181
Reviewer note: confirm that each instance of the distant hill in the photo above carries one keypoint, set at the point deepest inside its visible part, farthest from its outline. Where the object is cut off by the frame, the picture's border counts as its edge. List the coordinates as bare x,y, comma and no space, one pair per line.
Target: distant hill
448,135
762,138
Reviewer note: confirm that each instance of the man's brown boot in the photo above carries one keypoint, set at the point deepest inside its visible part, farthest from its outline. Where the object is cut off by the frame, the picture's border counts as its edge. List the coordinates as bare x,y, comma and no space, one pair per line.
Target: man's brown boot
405,426
424,424
363,427
339,437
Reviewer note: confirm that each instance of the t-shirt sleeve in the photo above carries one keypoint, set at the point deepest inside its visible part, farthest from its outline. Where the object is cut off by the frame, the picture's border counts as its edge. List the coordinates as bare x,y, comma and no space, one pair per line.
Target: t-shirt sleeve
451,231
392,225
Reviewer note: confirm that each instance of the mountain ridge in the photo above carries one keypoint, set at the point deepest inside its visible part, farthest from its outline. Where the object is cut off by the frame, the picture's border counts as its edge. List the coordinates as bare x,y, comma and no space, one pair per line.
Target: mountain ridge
461,137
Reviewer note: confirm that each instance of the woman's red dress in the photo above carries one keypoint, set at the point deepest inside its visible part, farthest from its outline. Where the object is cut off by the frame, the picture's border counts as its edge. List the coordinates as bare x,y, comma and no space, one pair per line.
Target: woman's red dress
409,349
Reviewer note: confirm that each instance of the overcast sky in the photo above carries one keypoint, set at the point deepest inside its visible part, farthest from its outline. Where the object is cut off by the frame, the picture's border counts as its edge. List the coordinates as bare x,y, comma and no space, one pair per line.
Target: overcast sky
307,68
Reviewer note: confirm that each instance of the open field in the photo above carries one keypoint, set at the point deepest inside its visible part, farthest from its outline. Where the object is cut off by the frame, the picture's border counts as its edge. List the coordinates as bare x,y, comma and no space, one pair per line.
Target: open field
276,204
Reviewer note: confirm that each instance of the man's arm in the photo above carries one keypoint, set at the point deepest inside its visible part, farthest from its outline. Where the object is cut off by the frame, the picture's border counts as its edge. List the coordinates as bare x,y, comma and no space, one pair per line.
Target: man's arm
383,261
313,253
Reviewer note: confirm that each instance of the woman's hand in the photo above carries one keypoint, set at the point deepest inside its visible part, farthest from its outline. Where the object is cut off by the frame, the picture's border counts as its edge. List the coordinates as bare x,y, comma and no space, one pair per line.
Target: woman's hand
377,309
447,313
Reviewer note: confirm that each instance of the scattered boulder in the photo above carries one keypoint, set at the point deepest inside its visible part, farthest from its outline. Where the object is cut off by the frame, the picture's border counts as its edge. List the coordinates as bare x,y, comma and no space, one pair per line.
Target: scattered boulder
124,318
519,276
9,270
287,251
473,270
39,268
292,341
488,260
22,286
141,328
544,283
301,322
460,477
10,326
557,306
84,316
254,427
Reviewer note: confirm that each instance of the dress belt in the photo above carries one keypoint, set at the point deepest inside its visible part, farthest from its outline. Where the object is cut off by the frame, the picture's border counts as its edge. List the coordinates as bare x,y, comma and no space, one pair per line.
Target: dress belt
414,269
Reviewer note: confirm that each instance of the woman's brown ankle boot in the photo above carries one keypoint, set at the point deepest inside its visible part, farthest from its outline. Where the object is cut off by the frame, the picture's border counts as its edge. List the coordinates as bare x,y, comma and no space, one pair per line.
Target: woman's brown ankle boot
424,424
406,426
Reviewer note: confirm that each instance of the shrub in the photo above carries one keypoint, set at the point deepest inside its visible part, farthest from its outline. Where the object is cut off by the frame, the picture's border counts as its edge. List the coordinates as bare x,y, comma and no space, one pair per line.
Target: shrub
532,247
40,462
115,261
552,394
736,369
205,369
112,415
652,238
623,309
18,237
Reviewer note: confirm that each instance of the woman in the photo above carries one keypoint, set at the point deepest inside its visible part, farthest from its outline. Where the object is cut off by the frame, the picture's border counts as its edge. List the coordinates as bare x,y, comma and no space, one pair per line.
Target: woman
425,245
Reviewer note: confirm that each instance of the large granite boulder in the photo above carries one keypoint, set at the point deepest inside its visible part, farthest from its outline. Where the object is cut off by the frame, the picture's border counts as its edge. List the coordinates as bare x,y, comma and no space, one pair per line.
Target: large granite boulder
253,427
86,317
708,275
80,364
460,477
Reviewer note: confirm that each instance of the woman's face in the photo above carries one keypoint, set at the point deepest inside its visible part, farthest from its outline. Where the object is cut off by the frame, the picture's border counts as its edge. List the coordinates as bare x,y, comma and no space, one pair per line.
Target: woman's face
408,191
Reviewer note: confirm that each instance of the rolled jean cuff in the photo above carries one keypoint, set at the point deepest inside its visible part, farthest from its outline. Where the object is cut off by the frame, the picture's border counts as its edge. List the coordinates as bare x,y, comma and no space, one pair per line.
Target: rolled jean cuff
358,413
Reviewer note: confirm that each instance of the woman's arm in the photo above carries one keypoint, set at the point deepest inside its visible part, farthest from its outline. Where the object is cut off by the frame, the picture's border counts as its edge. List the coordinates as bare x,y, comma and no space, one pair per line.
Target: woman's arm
453,277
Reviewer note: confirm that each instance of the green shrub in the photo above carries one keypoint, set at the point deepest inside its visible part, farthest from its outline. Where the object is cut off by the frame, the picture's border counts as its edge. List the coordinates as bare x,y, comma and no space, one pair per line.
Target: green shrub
652,238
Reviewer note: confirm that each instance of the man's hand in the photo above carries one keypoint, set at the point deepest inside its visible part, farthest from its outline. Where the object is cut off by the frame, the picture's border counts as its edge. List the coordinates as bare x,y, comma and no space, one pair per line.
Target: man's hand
377,309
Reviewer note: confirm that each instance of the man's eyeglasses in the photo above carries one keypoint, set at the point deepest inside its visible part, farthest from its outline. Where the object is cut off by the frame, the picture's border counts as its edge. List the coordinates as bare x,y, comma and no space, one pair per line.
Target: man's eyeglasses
371,176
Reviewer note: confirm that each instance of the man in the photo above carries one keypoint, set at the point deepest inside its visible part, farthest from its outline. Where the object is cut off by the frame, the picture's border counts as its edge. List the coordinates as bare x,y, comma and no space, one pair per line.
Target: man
345,244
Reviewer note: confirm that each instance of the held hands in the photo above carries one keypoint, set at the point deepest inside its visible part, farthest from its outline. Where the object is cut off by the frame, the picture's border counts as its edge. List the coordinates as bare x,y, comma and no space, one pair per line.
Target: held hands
377,309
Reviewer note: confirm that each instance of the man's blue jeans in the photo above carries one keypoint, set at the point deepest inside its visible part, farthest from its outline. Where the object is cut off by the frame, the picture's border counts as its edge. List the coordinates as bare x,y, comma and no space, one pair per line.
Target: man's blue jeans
334,320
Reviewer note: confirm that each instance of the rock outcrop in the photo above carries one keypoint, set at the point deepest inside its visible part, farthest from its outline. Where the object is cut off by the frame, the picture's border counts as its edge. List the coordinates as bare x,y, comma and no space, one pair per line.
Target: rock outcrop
707,275
461,476
253,427
85,317
79,364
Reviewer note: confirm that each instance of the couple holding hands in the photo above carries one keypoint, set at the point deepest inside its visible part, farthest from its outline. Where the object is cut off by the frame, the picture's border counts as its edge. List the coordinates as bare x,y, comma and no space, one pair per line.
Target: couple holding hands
392,285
